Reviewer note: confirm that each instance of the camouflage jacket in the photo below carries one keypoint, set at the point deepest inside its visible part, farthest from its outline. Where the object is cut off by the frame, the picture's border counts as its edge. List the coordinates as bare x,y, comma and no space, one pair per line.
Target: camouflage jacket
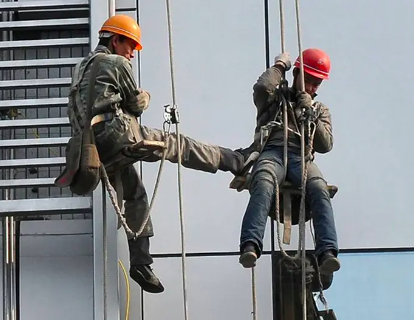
115,87
267,98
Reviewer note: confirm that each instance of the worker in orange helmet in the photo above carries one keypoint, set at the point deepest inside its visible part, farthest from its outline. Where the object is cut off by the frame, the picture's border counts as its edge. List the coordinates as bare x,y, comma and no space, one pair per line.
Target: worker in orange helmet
117,104
269,167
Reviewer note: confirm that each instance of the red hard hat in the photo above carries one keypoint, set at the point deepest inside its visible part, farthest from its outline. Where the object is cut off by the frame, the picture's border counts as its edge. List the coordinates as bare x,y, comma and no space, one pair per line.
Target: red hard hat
315,62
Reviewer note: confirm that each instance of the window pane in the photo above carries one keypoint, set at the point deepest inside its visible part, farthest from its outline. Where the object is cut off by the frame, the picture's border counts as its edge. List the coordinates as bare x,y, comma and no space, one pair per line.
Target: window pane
368,286
373,286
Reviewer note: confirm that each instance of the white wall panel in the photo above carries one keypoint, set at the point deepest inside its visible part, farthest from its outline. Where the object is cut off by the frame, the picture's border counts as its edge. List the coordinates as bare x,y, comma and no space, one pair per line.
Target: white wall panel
56,270
218,288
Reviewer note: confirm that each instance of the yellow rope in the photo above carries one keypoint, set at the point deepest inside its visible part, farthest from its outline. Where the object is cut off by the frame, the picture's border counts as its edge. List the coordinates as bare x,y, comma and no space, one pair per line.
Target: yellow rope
127,290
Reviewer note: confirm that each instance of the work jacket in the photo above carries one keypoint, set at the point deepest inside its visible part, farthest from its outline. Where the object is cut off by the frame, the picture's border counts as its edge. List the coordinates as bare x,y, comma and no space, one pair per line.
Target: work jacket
267,96
115,96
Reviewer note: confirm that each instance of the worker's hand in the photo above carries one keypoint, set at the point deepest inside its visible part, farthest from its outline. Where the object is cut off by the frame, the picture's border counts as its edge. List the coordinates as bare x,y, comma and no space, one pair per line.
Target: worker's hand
304,103
143,98
283,59
304,100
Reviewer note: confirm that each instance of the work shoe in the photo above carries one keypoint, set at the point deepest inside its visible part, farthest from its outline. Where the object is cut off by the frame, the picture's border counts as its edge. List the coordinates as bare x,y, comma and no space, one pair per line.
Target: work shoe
249,157
328,263
237,161
249,161
248,255
145,277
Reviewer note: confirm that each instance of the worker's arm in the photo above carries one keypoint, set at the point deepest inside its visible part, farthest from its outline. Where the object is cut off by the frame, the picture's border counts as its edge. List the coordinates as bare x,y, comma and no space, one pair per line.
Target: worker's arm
265,87
136,99
323,140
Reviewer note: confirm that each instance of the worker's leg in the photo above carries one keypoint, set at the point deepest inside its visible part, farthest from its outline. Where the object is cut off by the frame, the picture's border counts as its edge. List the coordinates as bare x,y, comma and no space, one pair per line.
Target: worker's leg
114,135
136,208
267,170
317,194
194,154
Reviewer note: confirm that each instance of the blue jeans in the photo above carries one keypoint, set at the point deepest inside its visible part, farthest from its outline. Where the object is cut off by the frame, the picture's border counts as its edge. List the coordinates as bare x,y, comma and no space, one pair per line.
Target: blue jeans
262,198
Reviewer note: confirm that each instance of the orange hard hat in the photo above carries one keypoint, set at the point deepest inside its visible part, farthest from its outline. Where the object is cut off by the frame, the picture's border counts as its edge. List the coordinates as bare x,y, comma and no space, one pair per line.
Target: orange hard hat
315,62
123,25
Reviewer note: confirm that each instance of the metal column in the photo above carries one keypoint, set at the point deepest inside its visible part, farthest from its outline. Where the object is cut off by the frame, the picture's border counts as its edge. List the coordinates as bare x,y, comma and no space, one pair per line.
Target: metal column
106,297
9,236
9,269
8,223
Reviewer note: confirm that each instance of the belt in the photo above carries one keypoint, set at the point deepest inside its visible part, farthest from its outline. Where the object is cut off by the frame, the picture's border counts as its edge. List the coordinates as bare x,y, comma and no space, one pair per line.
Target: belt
102,117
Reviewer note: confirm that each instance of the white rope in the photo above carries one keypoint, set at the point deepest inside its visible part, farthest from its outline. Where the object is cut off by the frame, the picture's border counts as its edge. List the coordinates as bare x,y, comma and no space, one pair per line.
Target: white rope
254,295
285,115
105,261
282,25
111,12
302,226
180,197
114,200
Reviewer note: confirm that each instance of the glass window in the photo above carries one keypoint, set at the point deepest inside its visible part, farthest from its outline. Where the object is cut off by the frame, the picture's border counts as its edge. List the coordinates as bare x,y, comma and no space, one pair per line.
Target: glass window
373,286
369,286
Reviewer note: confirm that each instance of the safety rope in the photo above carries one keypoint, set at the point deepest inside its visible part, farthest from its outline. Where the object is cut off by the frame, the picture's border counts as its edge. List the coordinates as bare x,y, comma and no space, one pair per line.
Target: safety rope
141,171
180,198
254,295
105,262
285,115
302,226
139,76
112,195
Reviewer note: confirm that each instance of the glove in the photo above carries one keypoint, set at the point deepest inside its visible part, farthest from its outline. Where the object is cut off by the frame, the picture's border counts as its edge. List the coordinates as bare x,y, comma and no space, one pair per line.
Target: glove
284,60
143,98
304,104
304,100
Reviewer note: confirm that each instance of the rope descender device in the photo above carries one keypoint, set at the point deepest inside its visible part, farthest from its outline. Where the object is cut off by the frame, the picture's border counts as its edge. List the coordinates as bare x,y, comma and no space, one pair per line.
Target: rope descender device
171,114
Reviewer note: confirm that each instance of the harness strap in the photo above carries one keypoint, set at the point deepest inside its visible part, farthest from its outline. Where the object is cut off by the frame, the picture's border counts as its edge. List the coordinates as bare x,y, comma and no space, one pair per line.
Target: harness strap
88,133
74,88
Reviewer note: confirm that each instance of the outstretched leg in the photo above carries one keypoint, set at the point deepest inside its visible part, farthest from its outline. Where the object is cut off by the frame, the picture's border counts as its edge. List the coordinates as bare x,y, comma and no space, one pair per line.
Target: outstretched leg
194,154
267,170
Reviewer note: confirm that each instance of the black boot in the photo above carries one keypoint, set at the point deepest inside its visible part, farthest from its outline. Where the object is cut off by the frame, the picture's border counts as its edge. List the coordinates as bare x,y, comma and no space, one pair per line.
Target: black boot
145,277
328,263
140,270
248,255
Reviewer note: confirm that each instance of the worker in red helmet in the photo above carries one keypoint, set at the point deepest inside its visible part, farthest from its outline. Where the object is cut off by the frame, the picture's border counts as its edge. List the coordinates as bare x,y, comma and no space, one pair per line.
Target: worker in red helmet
269,168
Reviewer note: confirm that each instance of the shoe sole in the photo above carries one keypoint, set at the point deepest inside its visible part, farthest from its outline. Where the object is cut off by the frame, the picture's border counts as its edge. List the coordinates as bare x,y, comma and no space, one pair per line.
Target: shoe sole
248,259
330,266
148,287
